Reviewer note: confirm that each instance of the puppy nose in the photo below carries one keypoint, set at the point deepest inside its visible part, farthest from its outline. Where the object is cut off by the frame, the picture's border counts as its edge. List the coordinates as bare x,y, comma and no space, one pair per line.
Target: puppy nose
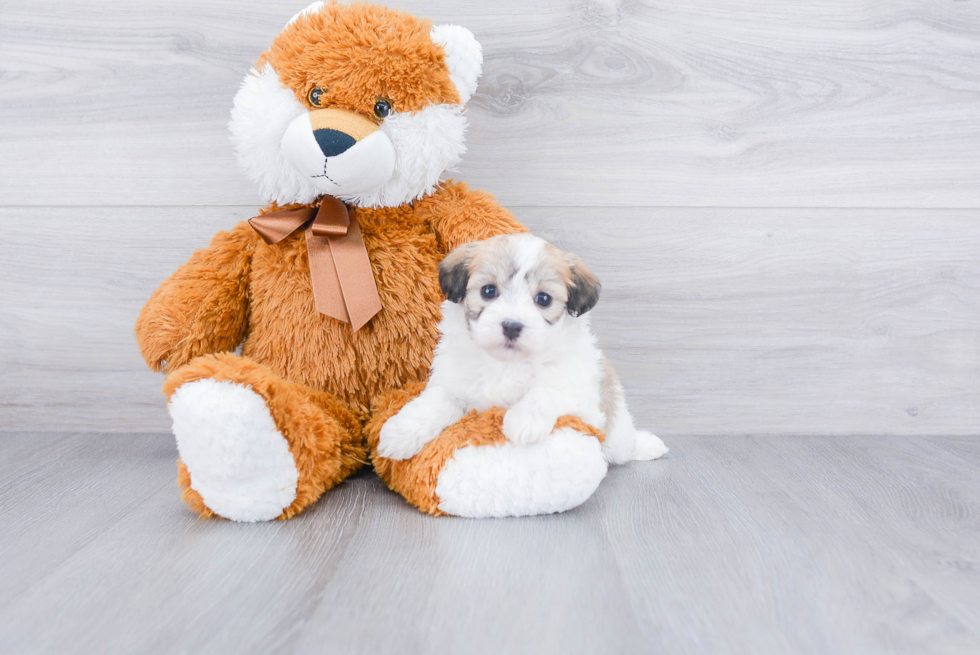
333,142
512,329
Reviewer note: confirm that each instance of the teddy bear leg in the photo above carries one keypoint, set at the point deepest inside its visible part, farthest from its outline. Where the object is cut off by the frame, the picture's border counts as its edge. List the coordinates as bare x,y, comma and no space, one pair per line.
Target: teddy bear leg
472,470
255,447
553,475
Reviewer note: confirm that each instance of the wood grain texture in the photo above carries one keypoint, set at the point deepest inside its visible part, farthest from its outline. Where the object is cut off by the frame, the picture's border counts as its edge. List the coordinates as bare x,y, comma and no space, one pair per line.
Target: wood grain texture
728,545
827,322
751,103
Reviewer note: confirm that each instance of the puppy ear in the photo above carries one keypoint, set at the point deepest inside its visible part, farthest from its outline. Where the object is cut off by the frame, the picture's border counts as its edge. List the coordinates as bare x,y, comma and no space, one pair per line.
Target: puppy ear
454,273
583,287
464,57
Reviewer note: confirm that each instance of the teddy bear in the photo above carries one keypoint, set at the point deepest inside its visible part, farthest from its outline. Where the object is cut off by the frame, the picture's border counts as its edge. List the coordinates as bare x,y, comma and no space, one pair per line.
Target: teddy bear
290,339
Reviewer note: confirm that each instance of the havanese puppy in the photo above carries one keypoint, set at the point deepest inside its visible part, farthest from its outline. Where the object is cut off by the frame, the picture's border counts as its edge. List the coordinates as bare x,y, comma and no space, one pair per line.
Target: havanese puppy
515,335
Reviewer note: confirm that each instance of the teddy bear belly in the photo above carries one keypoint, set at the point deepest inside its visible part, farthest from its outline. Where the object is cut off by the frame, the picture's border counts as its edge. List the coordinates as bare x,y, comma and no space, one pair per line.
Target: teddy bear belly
392,350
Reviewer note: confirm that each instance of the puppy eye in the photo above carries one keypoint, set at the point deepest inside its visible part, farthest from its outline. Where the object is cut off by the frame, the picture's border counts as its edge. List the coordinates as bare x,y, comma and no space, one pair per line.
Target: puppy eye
382,108
489,292
316,96
543,300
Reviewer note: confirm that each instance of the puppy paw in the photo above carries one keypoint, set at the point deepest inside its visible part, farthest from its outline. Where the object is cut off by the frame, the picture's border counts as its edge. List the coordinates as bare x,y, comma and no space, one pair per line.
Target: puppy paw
405,434
648,446
525,425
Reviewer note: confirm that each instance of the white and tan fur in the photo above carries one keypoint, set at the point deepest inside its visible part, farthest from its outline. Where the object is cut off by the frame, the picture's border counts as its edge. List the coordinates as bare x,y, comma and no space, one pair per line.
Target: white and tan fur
548,367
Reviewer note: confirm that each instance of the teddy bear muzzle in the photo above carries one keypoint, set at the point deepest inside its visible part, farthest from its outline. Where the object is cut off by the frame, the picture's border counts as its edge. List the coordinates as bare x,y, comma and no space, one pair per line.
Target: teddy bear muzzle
340,151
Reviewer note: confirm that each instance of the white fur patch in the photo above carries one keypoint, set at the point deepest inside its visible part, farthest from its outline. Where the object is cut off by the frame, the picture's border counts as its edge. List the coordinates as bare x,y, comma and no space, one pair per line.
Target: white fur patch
426,144
362,168
238,461
263,111
553,475
648,446
464,57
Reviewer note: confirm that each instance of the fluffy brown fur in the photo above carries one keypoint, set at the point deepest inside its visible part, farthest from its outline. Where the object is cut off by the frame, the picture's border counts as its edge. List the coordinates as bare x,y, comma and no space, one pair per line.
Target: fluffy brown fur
416,478
317,376
201,308
375,52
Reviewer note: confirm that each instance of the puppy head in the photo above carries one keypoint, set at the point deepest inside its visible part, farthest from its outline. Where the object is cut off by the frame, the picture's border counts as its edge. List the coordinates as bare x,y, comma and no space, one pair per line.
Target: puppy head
357,101
516,291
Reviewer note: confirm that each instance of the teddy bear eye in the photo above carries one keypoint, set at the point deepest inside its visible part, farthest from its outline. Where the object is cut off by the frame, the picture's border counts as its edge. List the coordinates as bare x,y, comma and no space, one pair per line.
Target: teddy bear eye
543,300
382,108
316,96
488,292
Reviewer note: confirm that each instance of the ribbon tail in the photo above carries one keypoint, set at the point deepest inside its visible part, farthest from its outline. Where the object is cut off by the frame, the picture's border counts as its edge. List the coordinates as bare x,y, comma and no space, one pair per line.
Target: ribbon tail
328,295
353,268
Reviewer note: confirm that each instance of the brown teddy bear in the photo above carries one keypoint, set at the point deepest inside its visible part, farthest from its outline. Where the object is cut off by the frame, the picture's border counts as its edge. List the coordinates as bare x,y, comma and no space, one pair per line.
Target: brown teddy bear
347,124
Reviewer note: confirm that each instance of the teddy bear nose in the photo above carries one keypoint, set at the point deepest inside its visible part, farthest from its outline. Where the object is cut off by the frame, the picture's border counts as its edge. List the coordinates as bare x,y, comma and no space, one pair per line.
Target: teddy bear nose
333,142
512,329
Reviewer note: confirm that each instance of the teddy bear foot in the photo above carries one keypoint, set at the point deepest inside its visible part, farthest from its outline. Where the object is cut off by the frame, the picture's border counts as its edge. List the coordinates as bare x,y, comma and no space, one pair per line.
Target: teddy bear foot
472,470
239,463
554,475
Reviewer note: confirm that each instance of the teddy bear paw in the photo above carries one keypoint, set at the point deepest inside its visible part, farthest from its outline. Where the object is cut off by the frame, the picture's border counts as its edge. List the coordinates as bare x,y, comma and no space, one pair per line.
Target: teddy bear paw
239,462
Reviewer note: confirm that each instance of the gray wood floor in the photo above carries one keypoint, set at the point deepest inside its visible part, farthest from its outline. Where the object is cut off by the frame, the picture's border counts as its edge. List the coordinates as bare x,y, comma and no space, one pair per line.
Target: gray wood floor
728,545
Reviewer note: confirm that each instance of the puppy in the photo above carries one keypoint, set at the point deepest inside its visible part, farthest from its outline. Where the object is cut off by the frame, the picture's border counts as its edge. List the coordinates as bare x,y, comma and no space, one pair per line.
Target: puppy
515,336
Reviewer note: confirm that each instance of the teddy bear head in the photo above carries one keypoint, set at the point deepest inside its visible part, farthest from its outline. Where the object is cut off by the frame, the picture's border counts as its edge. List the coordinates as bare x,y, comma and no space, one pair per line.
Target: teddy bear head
356,101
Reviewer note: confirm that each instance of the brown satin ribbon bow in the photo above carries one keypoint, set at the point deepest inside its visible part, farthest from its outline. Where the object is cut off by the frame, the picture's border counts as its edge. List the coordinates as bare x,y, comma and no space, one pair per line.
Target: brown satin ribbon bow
343,282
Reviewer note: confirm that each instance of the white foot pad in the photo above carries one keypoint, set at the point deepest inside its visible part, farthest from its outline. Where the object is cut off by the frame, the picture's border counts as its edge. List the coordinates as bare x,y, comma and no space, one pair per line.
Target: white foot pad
553,475
238,460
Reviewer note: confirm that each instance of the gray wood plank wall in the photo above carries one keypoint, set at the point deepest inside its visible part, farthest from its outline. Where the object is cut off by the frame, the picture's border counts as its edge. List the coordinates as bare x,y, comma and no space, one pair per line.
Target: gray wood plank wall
782,199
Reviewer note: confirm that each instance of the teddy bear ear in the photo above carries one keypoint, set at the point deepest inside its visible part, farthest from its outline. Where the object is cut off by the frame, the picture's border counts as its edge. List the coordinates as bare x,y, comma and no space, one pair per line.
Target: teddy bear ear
464,57
312,9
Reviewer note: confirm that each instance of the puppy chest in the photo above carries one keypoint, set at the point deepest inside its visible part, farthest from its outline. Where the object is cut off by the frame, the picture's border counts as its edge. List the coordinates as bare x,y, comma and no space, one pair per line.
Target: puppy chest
496,386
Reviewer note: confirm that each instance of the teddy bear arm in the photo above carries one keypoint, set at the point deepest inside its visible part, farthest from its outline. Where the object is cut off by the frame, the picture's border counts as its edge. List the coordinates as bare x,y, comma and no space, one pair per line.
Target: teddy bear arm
202,308
466,215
